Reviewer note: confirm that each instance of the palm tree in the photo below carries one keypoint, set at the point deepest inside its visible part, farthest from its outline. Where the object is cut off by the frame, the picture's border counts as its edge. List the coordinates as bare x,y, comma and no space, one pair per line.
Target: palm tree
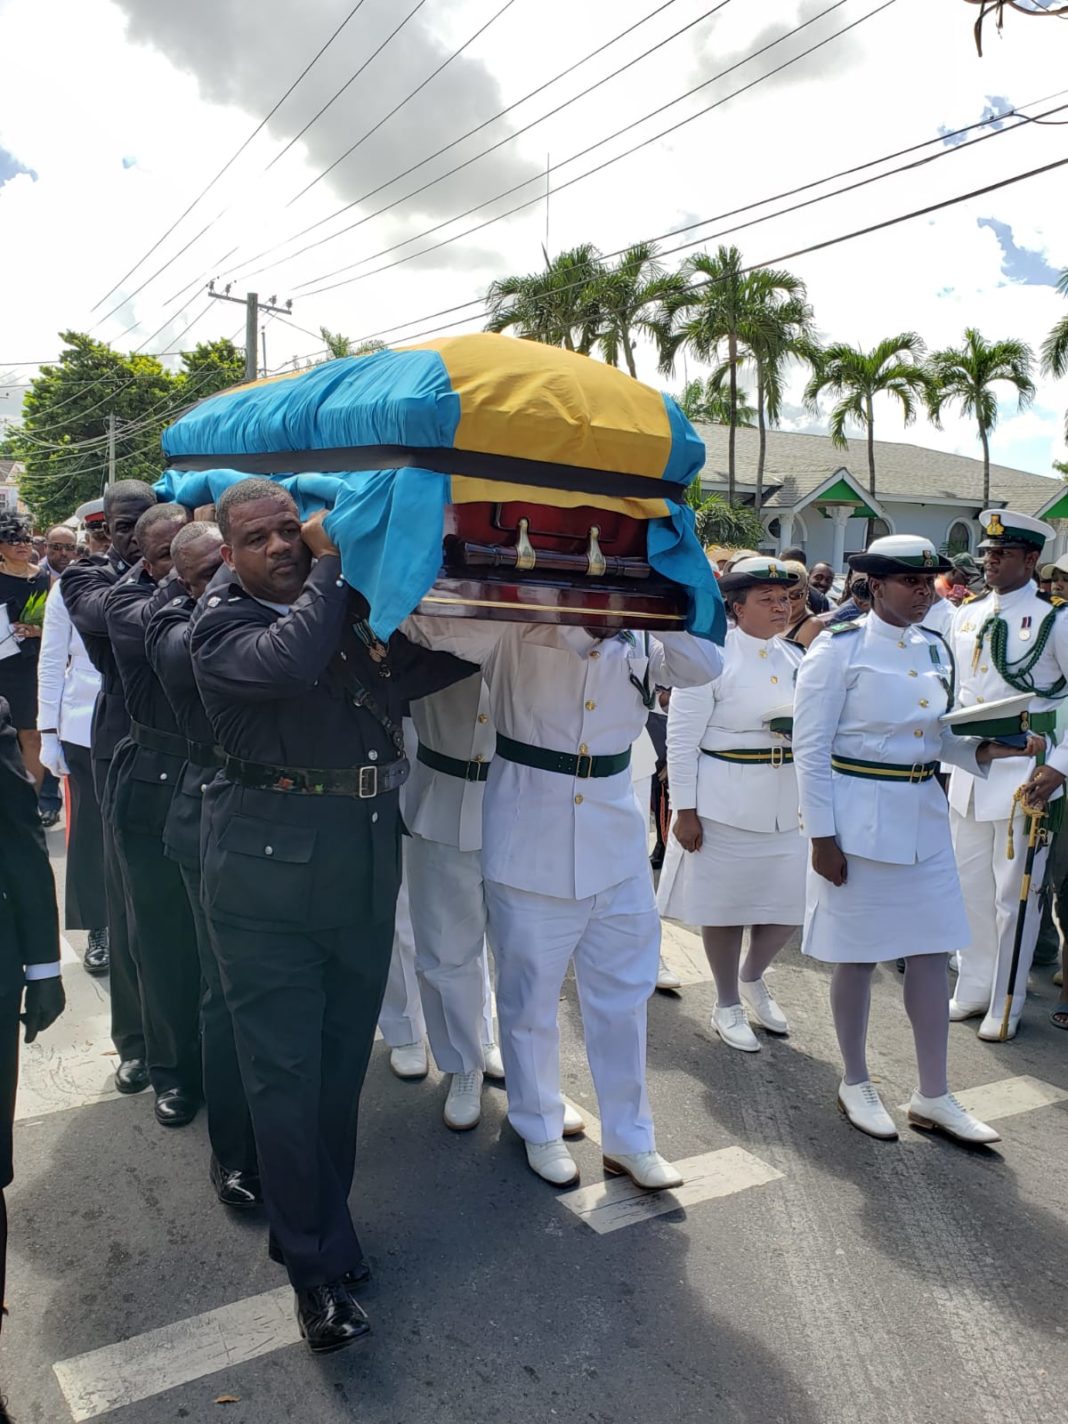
622,296
335,343
707,401
555,305
1055,346
779,330
967,374
854,378
717,314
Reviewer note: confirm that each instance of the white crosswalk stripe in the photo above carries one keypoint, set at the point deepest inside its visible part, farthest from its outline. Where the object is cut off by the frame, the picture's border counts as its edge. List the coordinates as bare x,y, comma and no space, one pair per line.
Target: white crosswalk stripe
1008,1097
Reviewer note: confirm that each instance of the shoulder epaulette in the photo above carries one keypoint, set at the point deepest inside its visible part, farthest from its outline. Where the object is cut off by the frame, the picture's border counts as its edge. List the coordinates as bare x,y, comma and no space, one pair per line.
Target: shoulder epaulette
850,627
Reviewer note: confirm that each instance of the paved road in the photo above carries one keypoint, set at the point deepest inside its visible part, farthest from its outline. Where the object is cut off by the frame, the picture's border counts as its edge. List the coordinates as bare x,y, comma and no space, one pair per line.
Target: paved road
805,1274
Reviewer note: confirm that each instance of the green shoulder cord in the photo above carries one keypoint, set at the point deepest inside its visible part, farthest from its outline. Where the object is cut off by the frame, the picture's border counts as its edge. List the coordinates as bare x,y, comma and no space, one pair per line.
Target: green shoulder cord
1017,674
641,684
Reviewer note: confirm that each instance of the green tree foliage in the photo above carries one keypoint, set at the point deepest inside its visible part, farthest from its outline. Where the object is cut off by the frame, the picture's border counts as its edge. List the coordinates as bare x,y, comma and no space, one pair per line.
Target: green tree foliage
556,305
63,439
1055,346
633,298
966,376
336,343
736,526
707,401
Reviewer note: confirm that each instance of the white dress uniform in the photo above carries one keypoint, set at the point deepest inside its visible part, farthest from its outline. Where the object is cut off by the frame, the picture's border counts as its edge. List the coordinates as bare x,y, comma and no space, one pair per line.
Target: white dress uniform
565,857
981,810
750,869
443,868
642,771
67,682
866,730
400,1019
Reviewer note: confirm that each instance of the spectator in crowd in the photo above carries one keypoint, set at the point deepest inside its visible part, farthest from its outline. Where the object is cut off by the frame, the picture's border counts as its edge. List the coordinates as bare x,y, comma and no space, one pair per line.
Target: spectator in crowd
22,593
855,601
804,624
817,583
61,549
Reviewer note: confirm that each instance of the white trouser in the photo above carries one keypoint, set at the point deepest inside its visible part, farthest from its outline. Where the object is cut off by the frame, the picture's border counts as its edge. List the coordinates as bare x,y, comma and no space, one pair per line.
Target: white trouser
401,1016
448,911
615,940
991,883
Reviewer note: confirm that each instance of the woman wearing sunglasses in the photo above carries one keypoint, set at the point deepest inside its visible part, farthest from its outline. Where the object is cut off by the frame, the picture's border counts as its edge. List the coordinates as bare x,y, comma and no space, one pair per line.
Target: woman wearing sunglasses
21,585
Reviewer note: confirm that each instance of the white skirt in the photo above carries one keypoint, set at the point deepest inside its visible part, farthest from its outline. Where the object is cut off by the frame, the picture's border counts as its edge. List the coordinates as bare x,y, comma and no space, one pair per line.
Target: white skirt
886,911
736,878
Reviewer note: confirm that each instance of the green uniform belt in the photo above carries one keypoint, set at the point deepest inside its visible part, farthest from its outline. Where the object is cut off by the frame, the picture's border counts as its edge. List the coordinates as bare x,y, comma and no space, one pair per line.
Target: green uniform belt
168,742
1012,726
360,781
453,766
579,764
754,756
884,771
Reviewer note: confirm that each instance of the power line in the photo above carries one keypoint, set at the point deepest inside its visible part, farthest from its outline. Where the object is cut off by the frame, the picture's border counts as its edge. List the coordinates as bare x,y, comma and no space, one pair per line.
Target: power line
781,212
501,113
489,222
231,160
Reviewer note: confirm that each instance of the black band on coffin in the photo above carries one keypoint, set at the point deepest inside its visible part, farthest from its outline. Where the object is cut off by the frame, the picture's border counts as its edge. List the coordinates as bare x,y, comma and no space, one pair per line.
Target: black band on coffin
504,469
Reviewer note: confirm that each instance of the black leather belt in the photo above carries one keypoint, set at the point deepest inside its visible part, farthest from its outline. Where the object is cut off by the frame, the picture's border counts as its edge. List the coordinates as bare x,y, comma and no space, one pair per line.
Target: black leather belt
168,742
580,764
204,754
362,782
476,770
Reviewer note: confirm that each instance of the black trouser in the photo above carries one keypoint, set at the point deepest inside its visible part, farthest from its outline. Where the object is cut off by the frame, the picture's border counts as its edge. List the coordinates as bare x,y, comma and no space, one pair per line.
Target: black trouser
10,1003
304,1009
168,968
229,1124
50,796
127,1030
86,906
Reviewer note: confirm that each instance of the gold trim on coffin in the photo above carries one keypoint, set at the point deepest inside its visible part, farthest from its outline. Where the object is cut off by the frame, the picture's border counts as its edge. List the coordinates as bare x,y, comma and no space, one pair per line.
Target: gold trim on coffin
542,608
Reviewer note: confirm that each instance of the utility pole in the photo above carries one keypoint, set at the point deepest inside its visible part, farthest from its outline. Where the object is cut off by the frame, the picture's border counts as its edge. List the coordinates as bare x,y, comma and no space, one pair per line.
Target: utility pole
111,449
263,345
253,307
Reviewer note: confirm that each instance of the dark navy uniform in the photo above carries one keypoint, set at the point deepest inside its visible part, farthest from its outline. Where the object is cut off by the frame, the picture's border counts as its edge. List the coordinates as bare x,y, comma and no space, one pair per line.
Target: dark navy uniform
167,647
144,773
301,880
85,587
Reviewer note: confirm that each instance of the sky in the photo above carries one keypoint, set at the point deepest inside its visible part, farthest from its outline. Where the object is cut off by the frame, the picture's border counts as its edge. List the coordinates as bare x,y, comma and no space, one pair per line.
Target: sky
116,114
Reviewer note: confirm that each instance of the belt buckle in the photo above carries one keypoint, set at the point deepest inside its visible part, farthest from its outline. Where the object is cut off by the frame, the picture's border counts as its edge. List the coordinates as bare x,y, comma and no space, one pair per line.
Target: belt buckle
778,756
1025,721
917,773
367,785
588,759
474,769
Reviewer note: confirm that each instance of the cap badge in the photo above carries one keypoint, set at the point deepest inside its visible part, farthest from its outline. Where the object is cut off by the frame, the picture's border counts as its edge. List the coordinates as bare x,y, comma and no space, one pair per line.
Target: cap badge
928,559
995,528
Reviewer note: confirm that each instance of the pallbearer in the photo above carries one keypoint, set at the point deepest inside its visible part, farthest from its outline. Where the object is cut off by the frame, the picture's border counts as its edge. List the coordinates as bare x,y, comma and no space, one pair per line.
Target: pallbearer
735,856
1009,641
867,742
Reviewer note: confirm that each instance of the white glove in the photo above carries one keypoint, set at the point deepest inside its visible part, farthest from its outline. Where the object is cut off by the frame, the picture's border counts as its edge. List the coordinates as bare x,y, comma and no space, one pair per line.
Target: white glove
52,754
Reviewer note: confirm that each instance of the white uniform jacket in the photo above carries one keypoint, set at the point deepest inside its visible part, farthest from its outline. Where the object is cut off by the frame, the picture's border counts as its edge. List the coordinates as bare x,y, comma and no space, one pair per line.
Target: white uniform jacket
67,682
456,723
560,689
874,693
758,674
1024,613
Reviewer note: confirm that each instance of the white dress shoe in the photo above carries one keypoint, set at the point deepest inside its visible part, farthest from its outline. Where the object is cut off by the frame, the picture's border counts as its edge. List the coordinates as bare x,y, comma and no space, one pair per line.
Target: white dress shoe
863,1107
552,1162
574,1122
645,1169
666,978
492,1062
990,1028
754,995
959,1012
463,1106
409,1060
954,962
732,1025
952,1117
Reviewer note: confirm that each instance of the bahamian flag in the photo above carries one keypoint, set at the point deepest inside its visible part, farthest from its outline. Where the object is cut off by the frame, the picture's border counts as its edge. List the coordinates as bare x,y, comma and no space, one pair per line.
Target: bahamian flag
387,442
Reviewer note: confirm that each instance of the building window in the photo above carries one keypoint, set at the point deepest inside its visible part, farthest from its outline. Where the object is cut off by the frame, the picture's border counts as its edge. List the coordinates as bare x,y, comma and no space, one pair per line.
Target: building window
959,537
881,528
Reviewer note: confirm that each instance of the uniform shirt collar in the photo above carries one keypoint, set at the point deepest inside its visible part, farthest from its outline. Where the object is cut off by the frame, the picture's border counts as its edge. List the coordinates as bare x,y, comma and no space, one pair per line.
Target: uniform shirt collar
882,629
1018,595
749,641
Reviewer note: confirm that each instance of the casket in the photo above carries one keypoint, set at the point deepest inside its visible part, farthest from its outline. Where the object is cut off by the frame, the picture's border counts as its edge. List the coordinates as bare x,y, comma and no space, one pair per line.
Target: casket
496,478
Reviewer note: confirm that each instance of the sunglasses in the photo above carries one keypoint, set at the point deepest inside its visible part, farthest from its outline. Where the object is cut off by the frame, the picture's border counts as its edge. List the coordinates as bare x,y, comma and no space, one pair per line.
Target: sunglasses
15,539
70,548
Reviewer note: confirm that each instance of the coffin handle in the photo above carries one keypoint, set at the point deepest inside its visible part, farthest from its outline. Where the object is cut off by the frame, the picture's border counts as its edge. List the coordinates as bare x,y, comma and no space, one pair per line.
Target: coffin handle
595,563
525,557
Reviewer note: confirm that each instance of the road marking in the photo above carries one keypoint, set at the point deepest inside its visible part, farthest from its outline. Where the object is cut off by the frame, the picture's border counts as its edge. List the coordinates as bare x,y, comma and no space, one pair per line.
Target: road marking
683,951
592,1121
1008,1097
616,1203
72,1064
177,1354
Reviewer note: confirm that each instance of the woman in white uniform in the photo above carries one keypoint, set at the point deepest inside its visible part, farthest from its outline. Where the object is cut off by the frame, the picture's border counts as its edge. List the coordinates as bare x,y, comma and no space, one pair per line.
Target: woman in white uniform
736,858
883,882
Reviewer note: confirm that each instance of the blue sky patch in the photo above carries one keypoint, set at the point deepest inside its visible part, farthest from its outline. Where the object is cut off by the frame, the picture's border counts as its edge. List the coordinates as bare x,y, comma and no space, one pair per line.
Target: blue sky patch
10,167
1020,264
995,104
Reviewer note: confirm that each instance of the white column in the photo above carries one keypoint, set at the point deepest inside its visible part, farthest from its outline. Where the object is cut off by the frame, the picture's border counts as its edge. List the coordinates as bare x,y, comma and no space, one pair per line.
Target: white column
840,519
786,531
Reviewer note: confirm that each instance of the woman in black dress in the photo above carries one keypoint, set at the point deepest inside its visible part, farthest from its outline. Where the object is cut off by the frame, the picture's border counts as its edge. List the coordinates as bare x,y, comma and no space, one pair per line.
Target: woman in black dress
20,642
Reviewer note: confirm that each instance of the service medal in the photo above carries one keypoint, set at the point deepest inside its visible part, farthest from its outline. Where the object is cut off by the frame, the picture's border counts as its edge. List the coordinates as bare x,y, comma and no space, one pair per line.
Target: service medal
1025,628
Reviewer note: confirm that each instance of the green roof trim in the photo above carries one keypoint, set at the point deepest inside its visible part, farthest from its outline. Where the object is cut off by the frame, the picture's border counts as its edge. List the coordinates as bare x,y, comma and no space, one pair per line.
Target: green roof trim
1059,510
842,492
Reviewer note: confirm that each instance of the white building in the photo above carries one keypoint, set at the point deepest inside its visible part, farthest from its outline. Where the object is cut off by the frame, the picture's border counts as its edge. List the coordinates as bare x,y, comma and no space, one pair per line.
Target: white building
816,495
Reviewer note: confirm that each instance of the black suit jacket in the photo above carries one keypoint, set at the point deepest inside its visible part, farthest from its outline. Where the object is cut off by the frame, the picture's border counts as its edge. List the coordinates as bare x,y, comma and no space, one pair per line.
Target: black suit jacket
29,920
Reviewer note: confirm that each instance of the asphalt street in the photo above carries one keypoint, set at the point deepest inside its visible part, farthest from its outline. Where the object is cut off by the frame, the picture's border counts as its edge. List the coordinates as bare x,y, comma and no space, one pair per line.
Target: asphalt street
805,1274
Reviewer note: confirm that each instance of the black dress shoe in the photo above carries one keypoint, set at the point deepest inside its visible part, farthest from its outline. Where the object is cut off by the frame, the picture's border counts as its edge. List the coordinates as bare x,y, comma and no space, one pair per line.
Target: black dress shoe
49,819
358,1276
234,1187
175,1107
97,959
131,1076
329,1318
